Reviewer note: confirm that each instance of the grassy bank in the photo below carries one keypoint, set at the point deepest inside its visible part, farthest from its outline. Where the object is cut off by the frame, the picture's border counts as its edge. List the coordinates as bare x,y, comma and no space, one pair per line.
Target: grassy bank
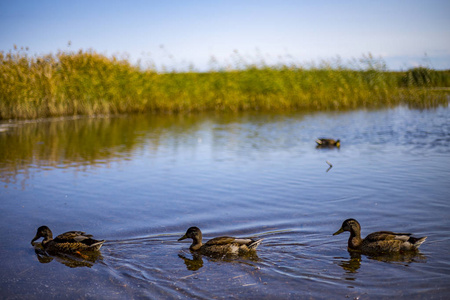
88,83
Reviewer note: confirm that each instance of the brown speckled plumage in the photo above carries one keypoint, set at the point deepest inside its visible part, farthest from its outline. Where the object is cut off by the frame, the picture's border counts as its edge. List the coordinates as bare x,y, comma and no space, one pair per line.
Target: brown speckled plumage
220,245
328,143
71,241
378,242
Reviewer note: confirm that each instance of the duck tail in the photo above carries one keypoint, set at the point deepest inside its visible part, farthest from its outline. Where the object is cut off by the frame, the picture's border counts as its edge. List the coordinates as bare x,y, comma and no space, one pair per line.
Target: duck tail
254,244
416,242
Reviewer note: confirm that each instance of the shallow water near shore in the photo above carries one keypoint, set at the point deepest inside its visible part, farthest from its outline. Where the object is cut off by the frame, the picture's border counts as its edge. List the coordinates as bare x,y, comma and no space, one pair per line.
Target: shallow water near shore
140,181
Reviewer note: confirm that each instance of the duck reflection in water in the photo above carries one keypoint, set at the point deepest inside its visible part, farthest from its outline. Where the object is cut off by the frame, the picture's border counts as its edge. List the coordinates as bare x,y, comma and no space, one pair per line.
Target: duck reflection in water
87,259
353,264
406,258
197,262
193,264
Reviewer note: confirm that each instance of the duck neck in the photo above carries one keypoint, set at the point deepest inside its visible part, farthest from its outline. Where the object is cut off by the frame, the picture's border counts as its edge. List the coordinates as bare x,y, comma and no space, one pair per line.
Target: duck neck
196,244
46,240
355,240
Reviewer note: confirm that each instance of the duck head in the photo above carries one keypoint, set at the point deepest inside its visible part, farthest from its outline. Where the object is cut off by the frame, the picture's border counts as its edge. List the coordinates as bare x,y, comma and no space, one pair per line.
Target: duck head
43,232
349,225
192,233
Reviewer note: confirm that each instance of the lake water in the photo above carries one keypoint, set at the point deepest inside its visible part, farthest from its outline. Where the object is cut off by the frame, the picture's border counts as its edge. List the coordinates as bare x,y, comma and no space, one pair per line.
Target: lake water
140,181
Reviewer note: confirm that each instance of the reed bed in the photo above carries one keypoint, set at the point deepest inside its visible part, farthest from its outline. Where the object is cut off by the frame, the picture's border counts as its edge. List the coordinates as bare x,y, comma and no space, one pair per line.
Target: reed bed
89,83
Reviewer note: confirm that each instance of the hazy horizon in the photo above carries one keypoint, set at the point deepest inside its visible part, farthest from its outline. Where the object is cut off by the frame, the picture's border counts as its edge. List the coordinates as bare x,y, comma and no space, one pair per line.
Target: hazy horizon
178,34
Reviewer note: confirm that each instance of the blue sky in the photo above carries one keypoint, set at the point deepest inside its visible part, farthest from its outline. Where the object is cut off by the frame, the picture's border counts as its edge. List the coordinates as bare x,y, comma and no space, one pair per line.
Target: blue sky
178,33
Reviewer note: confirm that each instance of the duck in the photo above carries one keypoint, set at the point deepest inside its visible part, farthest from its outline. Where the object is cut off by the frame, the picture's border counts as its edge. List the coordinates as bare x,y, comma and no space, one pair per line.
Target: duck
69,242
224,245
328,143
379,242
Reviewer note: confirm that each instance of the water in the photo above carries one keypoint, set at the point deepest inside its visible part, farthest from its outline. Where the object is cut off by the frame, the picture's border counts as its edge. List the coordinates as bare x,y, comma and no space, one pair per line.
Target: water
140,181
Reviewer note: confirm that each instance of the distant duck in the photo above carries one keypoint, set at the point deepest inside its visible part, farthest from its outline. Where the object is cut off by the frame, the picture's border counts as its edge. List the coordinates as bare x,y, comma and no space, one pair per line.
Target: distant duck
328,143
378,242
69,242
220,245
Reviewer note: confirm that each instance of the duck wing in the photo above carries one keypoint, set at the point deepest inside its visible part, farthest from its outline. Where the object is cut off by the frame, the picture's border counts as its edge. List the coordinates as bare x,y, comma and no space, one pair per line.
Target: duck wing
76,237
386,236
69,236
245,241
223,240
226,240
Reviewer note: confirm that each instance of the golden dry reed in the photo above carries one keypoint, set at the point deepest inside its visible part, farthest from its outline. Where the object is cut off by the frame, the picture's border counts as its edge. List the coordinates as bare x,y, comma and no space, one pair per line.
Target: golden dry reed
88,83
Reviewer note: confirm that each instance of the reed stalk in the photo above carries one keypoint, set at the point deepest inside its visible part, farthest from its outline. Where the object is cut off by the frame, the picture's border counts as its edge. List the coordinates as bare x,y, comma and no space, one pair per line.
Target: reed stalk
88,83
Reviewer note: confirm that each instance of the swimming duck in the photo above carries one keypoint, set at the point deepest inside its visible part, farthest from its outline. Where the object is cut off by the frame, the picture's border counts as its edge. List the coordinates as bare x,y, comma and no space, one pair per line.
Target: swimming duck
328,143
220,245
71,241
378,242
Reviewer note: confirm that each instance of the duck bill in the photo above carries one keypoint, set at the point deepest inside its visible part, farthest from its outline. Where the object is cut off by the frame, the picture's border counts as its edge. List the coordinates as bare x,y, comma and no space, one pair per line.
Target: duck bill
339,231
182,238
35,238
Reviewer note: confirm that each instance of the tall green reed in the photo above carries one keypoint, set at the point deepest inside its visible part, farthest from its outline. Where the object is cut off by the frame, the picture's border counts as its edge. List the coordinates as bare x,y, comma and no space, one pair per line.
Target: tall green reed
88,83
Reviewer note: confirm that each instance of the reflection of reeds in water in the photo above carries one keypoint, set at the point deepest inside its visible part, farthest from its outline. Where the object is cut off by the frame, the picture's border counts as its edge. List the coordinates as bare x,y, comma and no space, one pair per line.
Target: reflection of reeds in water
76,143
81,143
88,83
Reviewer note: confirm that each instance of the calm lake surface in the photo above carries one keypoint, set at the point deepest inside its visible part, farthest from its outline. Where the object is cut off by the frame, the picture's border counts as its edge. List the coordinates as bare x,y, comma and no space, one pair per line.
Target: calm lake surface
140,181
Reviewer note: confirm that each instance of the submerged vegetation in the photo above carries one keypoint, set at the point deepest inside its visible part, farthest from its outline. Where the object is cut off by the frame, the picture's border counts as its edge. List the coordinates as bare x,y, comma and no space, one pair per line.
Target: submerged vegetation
88,83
